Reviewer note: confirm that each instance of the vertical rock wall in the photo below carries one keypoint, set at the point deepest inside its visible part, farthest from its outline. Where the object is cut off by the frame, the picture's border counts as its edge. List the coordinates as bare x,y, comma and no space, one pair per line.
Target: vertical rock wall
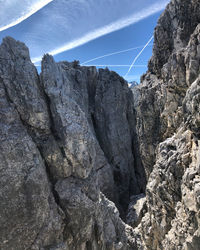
167,111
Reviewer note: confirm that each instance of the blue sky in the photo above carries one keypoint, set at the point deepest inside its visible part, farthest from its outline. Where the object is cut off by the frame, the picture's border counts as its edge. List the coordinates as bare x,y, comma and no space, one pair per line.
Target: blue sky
85,29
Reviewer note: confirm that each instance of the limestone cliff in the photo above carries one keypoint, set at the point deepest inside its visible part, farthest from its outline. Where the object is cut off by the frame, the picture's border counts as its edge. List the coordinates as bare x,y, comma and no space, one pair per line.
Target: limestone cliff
67,141
88,163
167,111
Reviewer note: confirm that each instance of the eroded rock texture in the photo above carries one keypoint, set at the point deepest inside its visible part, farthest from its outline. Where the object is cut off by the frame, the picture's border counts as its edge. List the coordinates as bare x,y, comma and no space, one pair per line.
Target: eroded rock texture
67,143
77,147
167,111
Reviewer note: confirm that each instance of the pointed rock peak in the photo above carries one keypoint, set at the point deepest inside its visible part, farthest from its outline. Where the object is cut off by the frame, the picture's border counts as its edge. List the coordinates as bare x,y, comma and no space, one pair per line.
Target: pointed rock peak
14,48
48,59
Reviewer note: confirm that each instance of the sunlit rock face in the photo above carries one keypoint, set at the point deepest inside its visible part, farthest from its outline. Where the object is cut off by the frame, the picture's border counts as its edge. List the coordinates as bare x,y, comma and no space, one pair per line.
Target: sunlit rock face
173,67
88,163
167,113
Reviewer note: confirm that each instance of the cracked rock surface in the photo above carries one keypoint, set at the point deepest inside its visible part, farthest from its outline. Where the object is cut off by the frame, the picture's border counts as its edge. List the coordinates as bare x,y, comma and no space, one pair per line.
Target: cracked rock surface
167,110
60,149
86,163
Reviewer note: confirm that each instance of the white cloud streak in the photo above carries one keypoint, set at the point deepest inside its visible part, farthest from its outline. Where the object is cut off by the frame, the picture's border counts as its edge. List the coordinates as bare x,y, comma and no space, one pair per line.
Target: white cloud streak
29,11
111,54
65,24
138,55
113,65
106,29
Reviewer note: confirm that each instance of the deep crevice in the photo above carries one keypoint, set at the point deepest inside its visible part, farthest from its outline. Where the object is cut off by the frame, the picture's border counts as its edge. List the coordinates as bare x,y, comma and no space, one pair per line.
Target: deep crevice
52,123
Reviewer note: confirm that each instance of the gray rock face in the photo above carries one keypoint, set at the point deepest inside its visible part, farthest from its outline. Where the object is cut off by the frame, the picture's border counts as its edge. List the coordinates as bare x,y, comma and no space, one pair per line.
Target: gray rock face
159,99
173,31
57,159
114,127
77,146
136,210
167,111
29,213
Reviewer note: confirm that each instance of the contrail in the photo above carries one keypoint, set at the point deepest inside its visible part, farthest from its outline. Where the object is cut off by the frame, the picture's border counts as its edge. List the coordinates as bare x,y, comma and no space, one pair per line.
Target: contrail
33,9
135,59
112,65
117,25
106,65
111,54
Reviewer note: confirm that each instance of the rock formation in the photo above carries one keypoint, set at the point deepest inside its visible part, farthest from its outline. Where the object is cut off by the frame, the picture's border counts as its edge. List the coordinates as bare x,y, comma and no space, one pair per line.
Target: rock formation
167,113
67,141
82,155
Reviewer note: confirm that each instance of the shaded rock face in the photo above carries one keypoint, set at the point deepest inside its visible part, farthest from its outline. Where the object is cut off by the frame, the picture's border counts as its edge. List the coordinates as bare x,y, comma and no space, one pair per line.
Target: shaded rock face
116,133
136,209
67,143
167,111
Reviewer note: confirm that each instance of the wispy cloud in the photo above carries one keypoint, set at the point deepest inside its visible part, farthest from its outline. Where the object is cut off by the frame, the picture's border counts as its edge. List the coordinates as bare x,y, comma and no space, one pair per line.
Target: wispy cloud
65,24
14,12
108,28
